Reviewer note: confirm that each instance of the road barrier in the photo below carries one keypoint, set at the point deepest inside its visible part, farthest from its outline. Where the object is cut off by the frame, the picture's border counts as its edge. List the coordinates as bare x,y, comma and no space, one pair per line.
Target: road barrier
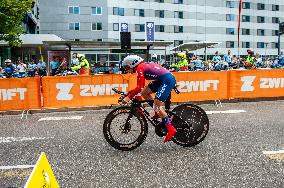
20,94
82,91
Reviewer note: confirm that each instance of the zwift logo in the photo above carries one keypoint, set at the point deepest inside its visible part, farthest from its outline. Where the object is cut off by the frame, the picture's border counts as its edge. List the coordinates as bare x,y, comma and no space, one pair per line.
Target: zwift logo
86,90
265,83
9,94
191,86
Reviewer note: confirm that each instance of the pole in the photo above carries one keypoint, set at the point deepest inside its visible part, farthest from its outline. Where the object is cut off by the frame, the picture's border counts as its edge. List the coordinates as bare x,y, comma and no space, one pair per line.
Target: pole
239,25
279,33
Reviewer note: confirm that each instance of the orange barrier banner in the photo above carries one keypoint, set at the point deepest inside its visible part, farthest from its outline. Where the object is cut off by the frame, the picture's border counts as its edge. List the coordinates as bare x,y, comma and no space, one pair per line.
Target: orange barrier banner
199,86
256,83
77,91
20,94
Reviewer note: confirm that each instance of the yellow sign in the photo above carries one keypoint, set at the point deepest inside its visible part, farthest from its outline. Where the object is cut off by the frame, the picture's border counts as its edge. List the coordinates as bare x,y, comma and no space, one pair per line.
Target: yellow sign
42,175
277,155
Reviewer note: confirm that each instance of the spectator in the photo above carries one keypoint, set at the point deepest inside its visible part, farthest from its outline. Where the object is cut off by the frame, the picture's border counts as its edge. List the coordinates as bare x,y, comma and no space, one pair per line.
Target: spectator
216,58
235,64
275,64
155,58
250,60
41,68
188,55
228,58
63,66
268,63
54,64
281,59
196,64
259,63
83,66
182,64
9,68
75,60
32,68
22,67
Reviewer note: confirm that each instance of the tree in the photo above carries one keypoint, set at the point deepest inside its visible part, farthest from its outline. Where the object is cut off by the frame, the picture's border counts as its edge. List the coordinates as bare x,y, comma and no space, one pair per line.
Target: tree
12,14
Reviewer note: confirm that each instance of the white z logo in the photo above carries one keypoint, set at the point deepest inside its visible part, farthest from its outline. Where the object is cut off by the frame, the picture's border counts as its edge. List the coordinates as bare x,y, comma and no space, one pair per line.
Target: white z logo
64,91
247,83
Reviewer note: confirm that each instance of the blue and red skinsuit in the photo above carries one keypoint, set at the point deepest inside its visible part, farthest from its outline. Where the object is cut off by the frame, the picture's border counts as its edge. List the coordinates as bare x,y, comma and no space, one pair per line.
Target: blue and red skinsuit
162,84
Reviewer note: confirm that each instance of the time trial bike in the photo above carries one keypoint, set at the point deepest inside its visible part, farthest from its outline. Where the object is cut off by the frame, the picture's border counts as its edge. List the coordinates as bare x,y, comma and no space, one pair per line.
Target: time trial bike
126,127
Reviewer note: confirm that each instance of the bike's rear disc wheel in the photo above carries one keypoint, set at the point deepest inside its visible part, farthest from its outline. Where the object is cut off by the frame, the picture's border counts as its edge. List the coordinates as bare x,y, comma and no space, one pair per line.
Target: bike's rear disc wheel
115,133
195,116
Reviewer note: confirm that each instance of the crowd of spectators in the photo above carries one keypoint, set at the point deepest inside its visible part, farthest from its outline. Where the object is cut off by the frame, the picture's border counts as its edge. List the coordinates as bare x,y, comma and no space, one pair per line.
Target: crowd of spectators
59,66
20,69
190,62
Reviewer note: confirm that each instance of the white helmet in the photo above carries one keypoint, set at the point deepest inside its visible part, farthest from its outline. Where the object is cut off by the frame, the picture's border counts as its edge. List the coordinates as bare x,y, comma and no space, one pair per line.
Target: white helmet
8,61
131,61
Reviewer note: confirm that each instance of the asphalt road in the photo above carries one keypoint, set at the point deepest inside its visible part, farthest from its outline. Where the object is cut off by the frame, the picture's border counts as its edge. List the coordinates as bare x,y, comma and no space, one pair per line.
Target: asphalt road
230,156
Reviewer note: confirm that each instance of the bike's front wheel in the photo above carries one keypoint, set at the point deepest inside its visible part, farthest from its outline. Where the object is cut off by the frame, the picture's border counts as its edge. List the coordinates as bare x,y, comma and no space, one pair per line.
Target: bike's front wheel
125,129
192,125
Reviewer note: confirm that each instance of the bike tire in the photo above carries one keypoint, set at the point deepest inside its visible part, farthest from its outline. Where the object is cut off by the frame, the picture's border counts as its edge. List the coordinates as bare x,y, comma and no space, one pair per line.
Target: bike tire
109,122
197,118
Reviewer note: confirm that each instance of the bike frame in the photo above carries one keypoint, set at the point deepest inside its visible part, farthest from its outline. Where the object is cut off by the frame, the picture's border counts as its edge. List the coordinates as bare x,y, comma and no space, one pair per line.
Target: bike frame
137,104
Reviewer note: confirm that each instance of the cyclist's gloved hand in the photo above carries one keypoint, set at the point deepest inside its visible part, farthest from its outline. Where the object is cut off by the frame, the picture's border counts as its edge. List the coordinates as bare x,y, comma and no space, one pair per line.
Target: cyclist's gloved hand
125,100
120,99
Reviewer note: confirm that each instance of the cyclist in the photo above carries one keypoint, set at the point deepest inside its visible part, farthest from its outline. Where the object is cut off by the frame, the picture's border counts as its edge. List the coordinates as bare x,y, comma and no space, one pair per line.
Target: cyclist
162,84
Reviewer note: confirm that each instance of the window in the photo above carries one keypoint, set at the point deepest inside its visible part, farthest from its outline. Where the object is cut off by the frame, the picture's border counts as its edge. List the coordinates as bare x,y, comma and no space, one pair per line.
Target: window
97,10
275,20
118,11
139,27
260,19
230,4
275,7
178,14
230,44
178,42
230,31
178,29
275,32
115,26
246,31
159,28
245,18
260,45
260,6
160,1
246,5
178,1
97,26
74,26
139,12
160,13
230,17
275,45
246,44
260,32
74,10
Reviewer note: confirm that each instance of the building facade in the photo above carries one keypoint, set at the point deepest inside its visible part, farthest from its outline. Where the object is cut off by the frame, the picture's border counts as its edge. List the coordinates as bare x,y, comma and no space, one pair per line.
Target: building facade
175,20
31,19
